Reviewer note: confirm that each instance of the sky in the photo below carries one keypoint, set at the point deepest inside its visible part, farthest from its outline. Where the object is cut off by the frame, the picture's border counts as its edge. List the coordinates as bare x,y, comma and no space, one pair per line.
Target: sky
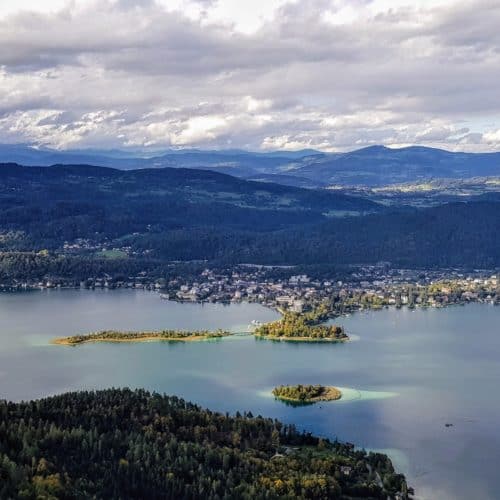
332,75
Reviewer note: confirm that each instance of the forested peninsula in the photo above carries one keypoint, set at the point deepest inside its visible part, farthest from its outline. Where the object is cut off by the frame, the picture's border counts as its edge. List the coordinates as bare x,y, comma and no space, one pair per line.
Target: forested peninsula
163,335
305,327
135,444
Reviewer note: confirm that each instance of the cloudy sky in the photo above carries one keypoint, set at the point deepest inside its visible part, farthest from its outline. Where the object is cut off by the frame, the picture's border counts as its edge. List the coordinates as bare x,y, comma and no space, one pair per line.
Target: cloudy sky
261,75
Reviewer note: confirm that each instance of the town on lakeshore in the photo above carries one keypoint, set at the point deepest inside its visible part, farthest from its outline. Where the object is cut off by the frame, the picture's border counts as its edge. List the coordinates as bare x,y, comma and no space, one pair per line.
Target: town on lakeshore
305,302
351,289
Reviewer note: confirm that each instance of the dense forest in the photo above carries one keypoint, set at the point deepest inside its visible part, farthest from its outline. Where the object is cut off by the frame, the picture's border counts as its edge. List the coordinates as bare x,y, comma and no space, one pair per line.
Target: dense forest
79,201
40,265
295,325
174,214
133,444
36,266
454,235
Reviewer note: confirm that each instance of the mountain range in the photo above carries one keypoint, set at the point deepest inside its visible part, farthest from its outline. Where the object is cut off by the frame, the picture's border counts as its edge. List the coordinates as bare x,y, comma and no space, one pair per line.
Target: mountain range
372,166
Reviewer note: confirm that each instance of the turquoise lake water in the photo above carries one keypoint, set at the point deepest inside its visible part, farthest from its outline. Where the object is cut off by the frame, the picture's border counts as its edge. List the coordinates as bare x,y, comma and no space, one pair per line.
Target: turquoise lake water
404,375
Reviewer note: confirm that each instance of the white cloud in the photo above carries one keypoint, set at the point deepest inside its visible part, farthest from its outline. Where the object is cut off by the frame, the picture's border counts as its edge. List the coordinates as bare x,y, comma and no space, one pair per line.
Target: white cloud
200,129
330,74
492,137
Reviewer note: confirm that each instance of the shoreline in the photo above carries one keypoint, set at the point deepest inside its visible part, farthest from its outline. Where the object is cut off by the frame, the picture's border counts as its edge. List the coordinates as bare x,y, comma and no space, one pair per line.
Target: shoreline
275,308
191,338
71,341
300,339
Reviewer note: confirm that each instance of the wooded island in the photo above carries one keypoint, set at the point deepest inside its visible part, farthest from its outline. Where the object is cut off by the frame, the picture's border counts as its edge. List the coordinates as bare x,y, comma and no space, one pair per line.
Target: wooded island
306,393
163,335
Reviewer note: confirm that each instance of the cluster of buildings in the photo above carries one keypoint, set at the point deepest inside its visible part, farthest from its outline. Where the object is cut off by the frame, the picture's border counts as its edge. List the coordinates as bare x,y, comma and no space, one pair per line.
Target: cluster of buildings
362,287
368,287
85,246
238,285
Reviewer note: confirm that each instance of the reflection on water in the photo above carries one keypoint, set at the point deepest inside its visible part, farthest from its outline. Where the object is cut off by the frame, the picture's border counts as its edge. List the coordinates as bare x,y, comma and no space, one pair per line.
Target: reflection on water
408,375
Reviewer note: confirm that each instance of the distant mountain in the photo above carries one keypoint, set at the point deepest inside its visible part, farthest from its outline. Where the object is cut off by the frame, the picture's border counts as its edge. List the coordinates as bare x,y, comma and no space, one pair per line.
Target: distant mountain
235,162
371,167
379,166
26,155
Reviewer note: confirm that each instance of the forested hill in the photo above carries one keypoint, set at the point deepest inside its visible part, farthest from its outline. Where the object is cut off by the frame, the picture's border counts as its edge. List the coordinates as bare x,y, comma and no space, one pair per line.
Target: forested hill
465,235
81,200
452,235
183,214
190,184
132,444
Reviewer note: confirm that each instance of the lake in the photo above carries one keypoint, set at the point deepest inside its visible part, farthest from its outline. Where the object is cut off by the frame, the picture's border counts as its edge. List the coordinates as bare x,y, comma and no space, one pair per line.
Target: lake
404,375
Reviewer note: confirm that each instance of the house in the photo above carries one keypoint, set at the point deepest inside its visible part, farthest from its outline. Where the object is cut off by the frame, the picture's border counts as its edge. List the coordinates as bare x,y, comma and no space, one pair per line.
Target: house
297,306
346,470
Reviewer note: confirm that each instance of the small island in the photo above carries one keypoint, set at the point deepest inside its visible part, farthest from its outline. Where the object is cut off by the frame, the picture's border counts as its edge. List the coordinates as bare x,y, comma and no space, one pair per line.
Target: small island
306,394
163,335
301,328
